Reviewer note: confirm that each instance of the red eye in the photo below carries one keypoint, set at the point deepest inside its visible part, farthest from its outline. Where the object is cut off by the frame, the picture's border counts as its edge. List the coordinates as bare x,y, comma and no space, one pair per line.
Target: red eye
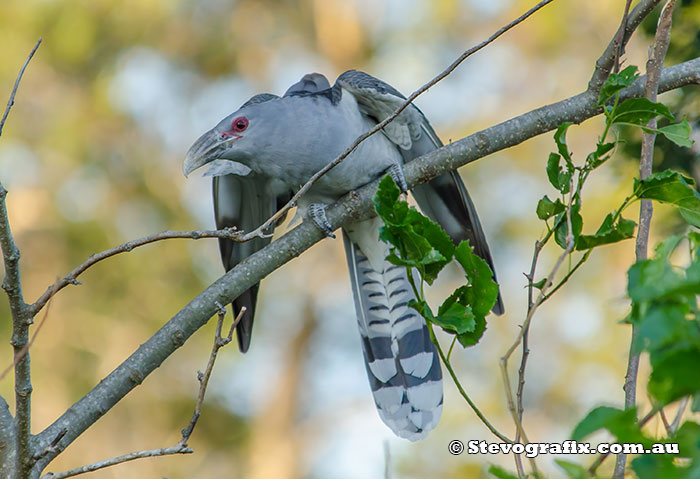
239,124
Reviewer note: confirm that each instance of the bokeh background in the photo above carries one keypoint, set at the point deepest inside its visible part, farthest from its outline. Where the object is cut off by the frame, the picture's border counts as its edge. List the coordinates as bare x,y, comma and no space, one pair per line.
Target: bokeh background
92,157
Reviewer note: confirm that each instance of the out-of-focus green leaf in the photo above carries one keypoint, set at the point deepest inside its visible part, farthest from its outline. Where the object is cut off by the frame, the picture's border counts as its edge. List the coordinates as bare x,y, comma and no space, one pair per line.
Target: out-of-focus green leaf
671,187
620,423
573,470
500,473
609,232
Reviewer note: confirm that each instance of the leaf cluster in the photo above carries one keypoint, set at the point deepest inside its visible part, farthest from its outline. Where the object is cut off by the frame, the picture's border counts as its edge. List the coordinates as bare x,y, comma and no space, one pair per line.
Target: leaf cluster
419,244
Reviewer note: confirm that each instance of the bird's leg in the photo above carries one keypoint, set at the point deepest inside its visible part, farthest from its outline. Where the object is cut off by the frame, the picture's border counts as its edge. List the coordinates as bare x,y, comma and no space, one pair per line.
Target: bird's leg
396,173
317,211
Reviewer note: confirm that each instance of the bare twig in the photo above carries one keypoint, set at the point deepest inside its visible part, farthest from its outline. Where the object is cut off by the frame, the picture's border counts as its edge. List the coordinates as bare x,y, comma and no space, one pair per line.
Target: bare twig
164,451
260,231
619,39
24,350
219,342
11,101
181,447
525,350
651,88
679,414
21,317
71,278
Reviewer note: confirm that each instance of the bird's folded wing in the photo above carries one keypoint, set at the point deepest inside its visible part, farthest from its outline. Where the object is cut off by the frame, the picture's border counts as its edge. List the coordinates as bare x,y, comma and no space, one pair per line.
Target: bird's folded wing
444,199
244,202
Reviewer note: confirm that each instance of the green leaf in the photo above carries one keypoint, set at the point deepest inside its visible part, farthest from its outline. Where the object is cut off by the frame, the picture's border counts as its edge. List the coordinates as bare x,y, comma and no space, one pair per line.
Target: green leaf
454,315
656,466
560,140
674,374
385,198
608,233
679,133
573,470
482,289
621,423
616,82
558,177
416,241
599,156
671,187
562,228
540,284
695,404
547,208
500,473
638,111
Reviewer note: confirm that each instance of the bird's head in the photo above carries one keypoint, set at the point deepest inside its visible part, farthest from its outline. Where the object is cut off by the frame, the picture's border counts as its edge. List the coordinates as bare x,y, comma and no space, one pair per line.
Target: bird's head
237,137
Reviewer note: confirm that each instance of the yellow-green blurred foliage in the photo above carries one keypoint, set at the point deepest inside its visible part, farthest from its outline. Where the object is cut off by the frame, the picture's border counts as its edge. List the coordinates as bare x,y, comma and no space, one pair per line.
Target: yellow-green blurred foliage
91,155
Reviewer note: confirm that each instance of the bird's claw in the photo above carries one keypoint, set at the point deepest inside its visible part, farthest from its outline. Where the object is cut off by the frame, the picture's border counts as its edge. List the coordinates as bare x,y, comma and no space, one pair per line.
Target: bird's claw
318,215
396,173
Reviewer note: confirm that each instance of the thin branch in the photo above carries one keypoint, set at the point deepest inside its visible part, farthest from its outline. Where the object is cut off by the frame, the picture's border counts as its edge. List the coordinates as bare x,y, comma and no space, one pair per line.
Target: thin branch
525,351
608,59
11,101
260,231
679,414
219,342
464,394
354,206
164,451
21,317
24,350
532,307
71,278
181,447
619,39
651,88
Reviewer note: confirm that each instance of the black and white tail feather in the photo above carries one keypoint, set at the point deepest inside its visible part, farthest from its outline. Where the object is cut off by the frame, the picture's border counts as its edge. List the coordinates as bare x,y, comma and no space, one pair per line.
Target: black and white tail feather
402,363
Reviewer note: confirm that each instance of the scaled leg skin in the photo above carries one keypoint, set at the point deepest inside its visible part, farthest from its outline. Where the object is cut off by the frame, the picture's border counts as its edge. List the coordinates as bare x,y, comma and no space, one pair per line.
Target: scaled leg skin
318,215
396,173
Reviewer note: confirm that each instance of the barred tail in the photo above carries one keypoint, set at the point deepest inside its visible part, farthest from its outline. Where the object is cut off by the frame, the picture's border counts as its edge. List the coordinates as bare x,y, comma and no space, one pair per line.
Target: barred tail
402,363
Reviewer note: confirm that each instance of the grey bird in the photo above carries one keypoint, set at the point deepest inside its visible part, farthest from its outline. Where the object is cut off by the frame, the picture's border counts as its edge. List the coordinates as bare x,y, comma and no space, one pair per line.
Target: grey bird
263,152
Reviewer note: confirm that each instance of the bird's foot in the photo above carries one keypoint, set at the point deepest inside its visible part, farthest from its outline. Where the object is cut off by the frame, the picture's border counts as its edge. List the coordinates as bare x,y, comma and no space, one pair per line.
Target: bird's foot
396,173
317,211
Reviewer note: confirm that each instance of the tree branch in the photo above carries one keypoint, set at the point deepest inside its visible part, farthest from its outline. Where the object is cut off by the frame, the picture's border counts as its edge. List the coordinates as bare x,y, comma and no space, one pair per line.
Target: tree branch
11,101
21,318
651,88
354,206
71,278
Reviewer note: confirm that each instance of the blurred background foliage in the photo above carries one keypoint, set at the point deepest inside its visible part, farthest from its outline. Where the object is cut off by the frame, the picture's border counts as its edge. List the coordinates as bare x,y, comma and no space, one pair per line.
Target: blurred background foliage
92,157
